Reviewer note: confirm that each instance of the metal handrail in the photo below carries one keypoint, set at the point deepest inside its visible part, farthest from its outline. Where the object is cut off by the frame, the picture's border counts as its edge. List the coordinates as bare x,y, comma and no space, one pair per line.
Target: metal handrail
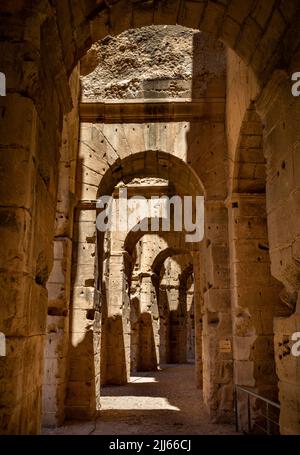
268,402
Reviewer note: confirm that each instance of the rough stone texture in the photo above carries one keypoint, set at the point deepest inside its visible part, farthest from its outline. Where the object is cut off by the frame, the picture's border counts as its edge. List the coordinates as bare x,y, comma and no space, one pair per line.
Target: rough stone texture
59,281
279,110
41,44
153,62
216,314
287,368
255,297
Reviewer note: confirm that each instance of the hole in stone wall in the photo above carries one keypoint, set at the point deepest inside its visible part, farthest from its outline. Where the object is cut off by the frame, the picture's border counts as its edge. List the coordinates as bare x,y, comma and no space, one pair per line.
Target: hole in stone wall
263,246
90,315
91,239
213,318
53,311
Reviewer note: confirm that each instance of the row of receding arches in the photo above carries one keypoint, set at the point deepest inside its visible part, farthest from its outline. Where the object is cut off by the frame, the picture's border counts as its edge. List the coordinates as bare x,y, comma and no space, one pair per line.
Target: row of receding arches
251,303
133,322
134,333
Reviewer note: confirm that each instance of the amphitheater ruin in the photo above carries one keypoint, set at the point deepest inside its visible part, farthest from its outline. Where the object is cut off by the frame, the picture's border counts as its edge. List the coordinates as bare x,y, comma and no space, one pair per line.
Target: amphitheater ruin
143,331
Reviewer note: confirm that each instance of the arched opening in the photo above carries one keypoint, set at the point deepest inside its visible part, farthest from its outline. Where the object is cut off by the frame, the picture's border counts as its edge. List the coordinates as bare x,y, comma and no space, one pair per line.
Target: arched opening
256,294
40,48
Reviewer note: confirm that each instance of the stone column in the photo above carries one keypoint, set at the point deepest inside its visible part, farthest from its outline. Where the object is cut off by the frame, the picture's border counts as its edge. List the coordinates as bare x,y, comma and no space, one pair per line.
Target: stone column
255,295
177,307
217,324
57,339
149,325
279,111
164,324
134,322
27,211
118,323
190,322
288,371
83,391
198,319
59,282
37,98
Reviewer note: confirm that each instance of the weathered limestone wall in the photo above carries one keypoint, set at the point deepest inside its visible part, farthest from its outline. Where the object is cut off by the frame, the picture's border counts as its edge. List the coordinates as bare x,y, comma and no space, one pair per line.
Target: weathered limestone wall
216,313
154,285
280,113
102,146
287,368
59,282
164,328
198,318
24,328
176,293
190,320
38,42
255,298
83,390
118,147
242,88
135,315
154,63
38,96
266,23
118,323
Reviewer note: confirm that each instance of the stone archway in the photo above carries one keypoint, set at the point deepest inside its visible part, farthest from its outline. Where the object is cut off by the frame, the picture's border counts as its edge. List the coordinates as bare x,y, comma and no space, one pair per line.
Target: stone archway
38,89
111,286
255,294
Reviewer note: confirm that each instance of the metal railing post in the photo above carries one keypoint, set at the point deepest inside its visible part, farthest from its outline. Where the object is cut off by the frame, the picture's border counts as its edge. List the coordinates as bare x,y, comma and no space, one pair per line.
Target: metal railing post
268,429
236,409
249,415
267,418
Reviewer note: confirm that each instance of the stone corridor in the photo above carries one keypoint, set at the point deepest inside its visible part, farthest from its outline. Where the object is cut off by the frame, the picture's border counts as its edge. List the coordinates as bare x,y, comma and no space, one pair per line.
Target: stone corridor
190,106
162,403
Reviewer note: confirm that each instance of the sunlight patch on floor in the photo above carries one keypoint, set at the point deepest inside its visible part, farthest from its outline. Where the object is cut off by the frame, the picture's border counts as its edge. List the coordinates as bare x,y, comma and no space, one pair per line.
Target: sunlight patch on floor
136,403
142,379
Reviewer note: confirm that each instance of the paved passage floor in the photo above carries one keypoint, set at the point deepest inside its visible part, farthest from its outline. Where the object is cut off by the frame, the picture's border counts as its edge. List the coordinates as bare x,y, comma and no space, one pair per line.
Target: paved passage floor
165,402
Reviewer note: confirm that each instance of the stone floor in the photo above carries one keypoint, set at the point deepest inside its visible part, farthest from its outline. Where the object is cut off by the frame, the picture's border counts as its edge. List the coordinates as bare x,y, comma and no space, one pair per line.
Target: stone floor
165,402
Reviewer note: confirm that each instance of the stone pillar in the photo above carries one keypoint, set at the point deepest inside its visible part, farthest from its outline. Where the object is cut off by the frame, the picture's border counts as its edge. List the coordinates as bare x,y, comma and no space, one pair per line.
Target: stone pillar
26,231
134,323
57,339
59,282
279,111
217,324
38,97
149,325
255,295
177,324
118,323
190,322
83,391
164,324
288,371
198,319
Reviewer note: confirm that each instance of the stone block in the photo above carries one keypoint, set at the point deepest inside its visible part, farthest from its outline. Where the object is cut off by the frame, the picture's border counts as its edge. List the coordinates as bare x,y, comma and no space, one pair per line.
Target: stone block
56,345
15,231
83,298
242,347
85,232
80,322
18,122
244,373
